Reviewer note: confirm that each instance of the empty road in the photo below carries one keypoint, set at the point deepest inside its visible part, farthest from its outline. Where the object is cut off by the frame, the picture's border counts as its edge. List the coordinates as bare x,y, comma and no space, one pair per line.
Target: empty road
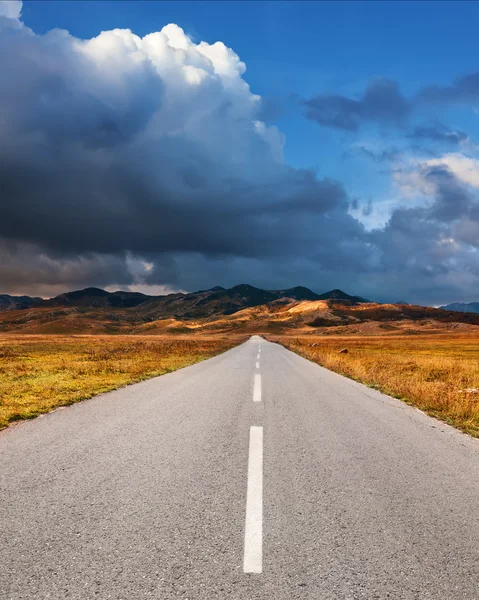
253,475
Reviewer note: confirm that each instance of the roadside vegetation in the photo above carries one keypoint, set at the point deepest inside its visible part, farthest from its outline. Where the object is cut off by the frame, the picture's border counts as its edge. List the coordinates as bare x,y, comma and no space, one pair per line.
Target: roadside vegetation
40,373
437,373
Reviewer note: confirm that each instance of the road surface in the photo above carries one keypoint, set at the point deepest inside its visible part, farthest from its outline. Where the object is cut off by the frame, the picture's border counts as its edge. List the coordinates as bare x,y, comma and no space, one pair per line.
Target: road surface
253,475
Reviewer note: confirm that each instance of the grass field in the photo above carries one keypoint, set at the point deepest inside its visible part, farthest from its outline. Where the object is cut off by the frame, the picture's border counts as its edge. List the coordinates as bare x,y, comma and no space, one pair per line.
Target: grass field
431,372
39,373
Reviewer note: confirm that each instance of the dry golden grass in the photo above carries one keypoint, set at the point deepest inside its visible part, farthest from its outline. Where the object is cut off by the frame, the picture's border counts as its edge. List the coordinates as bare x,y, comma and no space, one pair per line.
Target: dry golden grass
428,371
39,373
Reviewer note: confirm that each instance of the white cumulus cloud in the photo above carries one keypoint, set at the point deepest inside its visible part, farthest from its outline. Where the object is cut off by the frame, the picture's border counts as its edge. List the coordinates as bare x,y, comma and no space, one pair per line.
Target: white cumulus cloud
11,9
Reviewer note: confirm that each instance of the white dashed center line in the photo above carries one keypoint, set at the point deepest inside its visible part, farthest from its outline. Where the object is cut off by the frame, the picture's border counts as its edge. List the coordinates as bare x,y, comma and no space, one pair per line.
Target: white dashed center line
253,535
257,388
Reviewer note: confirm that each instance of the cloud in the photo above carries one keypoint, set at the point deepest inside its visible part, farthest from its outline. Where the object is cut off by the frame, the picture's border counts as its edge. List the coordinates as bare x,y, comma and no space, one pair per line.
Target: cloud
25,267
379,156
11,9
416,176
433,247
382,102
150,149
438,133
464,90
464,168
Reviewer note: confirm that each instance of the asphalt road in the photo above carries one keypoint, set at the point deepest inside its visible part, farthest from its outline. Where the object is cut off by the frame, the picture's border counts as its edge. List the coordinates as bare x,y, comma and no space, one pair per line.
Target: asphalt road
316,486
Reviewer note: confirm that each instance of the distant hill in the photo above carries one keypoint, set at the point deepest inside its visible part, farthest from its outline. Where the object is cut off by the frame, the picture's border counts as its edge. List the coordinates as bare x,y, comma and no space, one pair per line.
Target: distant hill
472,307
8,302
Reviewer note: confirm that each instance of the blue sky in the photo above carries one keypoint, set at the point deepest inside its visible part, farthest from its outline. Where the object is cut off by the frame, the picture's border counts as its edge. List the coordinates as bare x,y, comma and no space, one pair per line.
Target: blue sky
375,189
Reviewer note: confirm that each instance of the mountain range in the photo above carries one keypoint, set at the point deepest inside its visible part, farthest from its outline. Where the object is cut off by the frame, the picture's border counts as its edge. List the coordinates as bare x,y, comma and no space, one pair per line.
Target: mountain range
472,307
242,308
197,304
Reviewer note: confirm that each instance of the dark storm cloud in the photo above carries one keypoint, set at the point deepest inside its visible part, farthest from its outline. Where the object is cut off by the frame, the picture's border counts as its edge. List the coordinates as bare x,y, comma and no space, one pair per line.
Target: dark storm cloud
25,264
113,148
69,203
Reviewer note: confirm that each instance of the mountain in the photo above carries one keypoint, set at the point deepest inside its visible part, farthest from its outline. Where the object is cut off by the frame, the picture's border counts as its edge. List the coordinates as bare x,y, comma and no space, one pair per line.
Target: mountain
340,296
93,297
217,301
217,288
472,307
8,302
298,293
89,297
200,304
